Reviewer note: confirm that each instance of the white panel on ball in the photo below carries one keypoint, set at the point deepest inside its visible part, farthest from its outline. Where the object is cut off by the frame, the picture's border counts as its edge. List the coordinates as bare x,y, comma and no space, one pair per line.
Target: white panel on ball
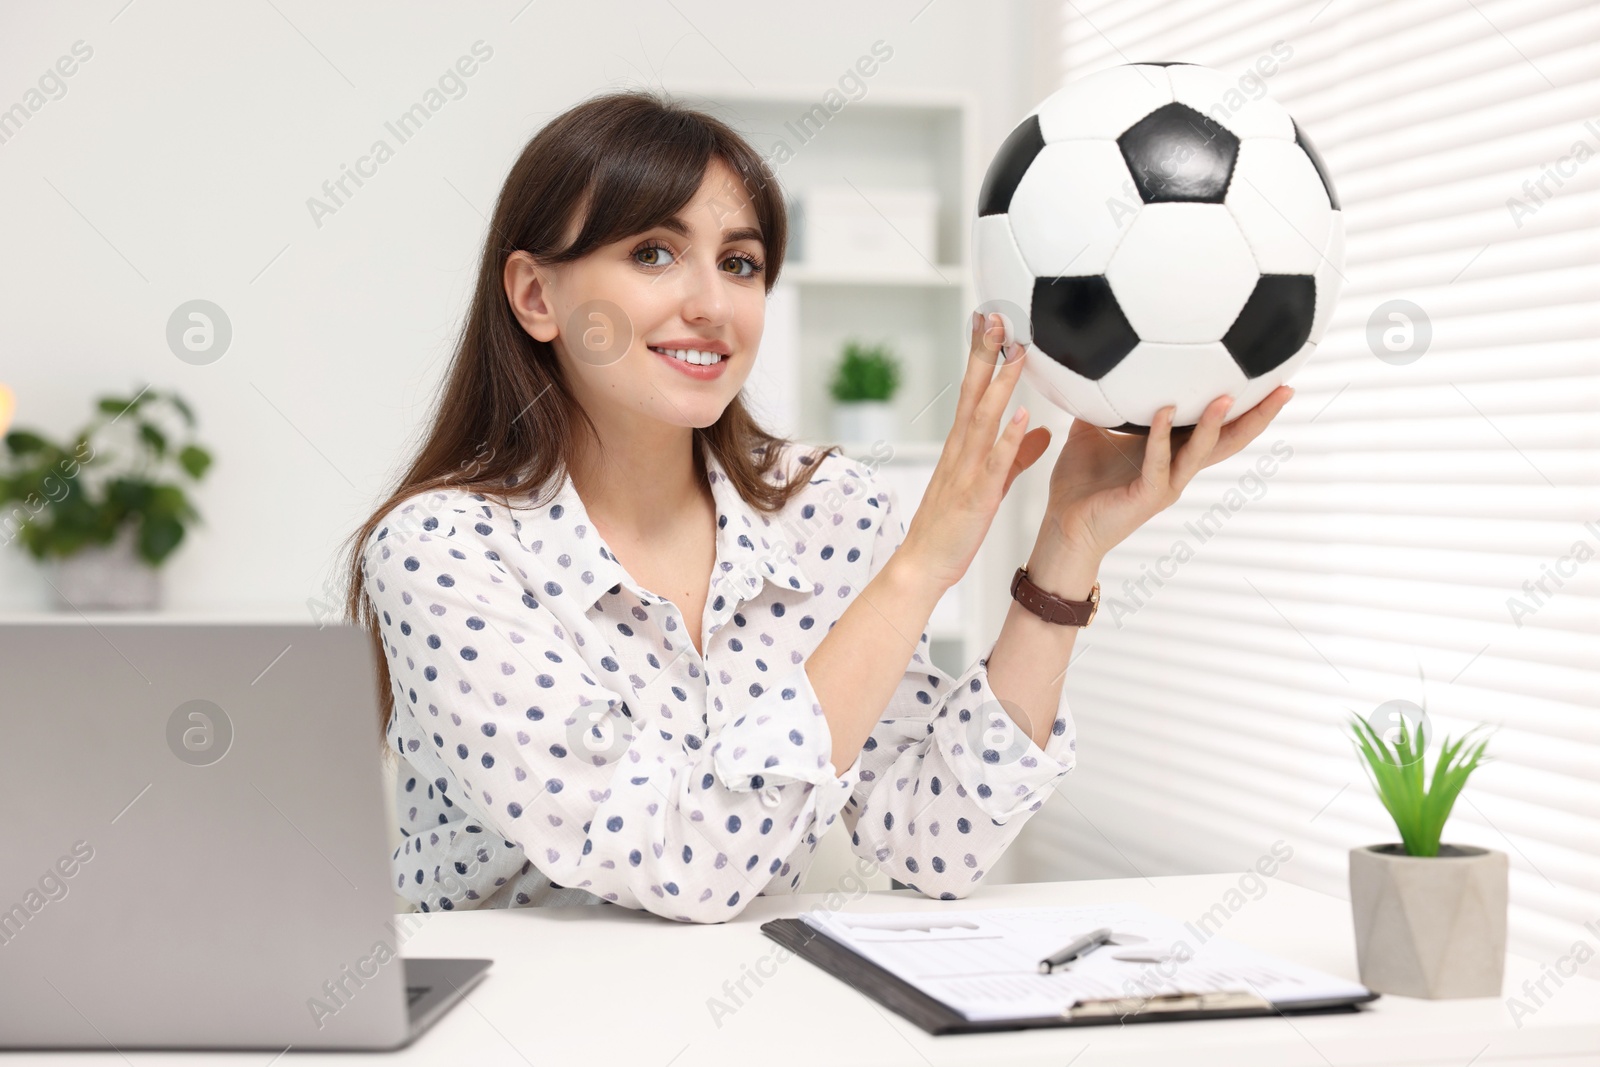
1182,273
1104,104
1005,284
1218,96
1073,393
1329,277
1060,214
1155,375
1280,205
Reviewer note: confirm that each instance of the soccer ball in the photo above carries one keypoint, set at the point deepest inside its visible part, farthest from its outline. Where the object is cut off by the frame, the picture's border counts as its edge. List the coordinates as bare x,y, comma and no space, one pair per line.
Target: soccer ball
1157,237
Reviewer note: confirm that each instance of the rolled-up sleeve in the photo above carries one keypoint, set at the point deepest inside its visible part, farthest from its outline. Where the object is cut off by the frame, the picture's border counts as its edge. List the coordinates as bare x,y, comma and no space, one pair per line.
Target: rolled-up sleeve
946,780
779,736
651,814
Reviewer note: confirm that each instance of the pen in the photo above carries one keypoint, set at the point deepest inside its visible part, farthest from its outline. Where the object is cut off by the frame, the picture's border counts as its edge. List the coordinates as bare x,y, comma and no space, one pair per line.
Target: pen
1084,945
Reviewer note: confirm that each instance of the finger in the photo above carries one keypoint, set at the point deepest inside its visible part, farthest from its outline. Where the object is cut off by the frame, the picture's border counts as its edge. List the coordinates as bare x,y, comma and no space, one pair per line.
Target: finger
1248,426
1035,443
1003,456
981,358
987,334
985,421
1197,450
1158,452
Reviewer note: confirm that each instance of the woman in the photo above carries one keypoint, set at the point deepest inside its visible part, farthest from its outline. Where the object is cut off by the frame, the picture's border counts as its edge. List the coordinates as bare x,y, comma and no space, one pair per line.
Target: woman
637,649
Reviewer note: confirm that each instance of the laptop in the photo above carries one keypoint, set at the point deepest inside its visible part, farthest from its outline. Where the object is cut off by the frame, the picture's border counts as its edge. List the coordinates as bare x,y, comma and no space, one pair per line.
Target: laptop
193,842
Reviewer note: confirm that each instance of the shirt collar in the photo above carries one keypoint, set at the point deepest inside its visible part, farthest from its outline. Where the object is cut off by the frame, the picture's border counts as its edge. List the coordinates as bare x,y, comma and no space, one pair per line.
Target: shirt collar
752,547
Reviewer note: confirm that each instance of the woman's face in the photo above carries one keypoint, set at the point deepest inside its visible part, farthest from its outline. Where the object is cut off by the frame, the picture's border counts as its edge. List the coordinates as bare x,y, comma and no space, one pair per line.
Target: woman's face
612,315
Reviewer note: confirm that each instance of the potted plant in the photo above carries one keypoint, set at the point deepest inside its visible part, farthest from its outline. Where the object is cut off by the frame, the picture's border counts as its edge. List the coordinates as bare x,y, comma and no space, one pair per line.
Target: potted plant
1430,918
108,509
864,383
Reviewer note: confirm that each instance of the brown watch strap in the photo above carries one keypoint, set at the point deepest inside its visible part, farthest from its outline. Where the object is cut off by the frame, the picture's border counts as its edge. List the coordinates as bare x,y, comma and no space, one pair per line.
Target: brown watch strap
1052,608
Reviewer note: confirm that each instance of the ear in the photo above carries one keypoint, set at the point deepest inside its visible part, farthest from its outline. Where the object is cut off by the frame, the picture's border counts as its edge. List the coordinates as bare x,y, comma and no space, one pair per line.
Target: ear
528,290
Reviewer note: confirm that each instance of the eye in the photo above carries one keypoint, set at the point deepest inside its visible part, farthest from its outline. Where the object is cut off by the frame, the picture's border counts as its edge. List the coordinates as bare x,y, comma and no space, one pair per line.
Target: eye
652,247
744,257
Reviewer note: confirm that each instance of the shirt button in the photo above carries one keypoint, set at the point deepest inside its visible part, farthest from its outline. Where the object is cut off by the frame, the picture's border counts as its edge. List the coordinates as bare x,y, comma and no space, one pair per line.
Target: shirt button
769,796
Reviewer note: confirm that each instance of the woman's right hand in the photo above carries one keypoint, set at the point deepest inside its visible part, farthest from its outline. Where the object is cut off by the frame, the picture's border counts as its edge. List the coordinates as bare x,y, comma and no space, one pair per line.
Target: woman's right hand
975,470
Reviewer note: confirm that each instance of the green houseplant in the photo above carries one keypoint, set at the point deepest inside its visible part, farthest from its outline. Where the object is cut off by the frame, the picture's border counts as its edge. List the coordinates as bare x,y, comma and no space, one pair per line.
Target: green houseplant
1430,918
107,508
864,384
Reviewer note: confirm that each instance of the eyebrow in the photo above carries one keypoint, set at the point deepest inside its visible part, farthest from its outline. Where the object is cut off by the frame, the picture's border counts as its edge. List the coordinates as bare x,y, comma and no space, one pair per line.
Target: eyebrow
743,233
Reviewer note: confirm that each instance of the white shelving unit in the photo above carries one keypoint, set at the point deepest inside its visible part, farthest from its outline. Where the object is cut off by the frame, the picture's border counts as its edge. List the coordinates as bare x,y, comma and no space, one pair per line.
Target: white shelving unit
886,139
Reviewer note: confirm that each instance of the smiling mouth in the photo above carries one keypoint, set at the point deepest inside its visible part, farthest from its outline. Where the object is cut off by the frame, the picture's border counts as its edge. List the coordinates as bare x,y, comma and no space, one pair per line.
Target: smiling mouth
689,355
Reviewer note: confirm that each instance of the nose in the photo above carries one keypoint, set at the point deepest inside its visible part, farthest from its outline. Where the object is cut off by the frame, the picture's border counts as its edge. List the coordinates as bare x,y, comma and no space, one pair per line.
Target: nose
705,292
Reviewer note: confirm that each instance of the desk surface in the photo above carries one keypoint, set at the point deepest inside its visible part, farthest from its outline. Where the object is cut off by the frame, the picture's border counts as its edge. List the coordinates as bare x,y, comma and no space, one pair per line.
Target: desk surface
606,985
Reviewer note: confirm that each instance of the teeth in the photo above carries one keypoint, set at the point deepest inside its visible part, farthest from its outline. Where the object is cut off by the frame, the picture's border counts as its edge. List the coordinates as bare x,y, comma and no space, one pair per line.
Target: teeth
690,355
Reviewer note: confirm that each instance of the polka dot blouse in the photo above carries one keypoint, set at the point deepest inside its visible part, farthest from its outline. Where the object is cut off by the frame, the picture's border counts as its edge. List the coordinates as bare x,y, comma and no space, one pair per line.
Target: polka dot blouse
559,739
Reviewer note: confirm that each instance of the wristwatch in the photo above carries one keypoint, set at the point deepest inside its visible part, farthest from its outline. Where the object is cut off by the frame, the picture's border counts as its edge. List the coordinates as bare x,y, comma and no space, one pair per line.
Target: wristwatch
1050,607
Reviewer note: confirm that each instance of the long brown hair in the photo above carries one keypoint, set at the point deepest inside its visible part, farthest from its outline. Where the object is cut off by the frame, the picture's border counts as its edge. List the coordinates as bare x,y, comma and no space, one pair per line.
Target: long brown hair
630,160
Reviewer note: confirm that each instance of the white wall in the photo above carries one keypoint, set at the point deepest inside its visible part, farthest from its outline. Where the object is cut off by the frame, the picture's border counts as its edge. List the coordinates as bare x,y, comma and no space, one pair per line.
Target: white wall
179,161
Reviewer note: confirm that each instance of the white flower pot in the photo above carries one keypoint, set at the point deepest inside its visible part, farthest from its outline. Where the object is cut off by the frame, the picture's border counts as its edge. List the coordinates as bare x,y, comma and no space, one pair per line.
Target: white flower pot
865,421
106,578
1430,926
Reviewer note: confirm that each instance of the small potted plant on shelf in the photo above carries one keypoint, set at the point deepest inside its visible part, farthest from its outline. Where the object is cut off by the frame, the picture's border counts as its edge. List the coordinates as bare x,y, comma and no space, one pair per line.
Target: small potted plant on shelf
108,509
864,383
1430,918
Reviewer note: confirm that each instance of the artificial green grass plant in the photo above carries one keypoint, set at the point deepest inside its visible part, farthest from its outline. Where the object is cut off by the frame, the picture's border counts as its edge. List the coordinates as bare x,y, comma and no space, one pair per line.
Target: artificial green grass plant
1419,808
865,372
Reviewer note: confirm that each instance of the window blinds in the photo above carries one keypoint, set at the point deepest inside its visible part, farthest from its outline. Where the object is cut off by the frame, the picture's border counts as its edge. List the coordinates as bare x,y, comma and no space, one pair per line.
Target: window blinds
1430,526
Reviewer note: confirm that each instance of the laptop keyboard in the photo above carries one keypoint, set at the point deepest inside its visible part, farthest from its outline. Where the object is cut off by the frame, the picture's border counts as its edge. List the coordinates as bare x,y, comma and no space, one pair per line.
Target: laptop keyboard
413,992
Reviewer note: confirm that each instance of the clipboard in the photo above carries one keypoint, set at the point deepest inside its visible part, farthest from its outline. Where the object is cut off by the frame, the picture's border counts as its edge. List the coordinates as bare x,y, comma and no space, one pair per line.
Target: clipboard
936,1017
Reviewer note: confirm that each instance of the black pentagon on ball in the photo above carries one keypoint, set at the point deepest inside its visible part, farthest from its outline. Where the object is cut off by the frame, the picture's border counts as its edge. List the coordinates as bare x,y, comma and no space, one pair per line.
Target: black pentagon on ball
1273,324
1078,323
1131,427
1177,154
1310,150
1010,163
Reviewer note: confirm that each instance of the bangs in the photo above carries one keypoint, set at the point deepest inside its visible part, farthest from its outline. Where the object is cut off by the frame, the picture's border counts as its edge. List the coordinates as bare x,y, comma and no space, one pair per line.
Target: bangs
652,175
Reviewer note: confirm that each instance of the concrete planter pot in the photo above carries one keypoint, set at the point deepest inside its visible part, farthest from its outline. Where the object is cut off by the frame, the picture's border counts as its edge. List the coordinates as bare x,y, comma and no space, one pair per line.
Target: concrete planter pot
106,578
865,421
1430,926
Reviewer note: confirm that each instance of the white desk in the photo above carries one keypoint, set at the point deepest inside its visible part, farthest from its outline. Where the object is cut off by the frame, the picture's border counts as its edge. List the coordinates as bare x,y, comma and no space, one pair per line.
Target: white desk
604,985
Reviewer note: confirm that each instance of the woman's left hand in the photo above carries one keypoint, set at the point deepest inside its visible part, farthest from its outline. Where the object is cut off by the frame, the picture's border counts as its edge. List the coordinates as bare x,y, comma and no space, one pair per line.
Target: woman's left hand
1105,485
